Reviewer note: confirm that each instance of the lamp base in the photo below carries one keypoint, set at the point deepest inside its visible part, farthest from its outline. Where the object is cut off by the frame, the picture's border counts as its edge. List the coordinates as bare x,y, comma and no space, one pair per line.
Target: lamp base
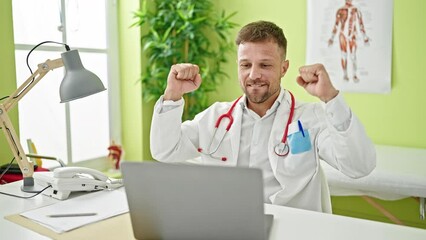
28,186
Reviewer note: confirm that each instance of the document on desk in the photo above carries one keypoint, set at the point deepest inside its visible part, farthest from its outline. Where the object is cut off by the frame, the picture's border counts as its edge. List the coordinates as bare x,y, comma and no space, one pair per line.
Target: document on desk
79,211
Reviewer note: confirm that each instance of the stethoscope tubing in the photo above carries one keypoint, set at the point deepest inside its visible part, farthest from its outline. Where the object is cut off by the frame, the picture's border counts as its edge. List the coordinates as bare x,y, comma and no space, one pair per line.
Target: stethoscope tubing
281,149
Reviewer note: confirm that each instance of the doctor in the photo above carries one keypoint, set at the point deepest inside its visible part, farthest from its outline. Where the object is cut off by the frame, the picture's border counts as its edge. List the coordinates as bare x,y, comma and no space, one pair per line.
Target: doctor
267,127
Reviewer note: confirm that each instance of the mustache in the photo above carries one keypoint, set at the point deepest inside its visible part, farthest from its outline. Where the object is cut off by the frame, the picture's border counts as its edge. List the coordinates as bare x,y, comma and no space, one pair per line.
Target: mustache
256,82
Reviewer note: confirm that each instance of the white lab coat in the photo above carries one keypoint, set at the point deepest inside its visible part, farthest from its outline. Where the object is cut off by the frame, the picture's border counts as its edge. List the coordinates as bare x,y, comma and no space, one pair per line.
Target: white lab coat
349,151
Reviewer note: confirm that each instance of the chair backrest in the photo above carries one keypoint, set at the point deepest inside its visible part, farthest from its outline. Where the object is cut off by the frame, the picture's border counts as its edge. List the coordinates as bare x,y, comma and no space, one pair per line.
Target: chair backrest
37,158
33,150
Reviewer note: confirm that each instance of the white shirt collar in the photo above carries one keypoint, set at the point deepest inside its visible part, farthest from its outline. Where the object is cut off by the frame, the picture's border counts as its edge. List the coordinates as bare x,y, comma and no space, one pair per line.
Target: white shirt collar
281,97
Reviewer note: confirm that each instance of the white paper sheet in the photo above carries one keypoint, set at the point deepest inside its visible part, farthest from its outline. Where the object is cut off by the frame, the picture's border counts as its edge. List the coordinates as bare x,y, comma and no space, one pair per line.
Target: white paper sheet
105,204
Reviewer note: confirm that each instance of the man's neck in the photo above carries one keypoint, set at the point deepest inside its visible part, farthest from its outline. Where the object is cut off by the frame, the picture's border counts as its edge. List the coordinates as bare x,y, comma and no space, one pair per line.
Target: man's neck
261,108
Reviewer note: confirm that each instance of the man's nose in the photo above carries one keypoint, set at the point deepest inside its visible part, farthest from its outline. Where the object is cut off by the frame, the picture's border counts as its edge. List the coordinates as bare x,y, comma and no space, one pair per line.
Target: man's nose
255,73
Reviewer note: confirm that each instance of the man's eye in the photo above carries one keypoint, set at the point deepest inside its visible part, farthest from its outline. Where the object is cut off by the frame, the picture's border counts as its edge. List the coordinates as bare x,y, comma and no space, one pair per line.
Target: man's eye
266,65
244,65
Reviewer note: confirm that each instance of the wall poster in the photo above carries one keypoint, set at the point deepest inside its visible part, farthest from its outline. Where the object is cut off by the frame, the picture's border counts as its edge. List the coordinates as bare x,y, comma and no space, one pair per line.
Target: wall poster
353,39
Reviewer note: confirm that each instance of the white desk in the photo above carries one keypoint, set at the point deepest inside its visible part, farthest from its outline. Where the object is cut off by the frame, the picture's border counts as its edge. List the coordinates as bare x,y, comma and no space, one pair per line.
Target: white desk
289,223
13,205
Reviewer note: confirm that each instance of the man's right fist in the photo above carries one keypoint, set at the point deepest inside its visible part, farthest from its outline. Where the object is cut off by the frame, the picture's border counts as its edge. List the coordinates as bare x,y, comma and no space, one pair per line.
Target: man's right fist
183,78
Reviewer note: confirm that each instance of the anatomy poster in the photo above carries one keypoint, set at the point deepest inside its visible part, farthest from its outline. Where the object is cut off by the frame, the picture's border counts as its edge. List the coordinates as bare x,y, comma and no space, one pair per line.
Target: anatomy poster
353,39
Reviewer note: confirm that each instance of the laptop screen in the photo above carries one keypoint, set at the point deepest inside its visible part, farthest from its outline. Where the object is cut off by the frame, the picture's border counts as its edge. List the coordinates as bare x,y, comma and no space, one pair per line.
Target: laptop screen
174,201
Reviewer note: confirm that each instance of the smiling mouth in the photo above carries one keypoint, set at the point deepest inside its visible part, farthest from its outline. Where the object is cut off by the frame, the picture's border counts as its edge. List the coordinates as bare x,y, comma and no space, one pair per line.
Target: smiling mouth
256,84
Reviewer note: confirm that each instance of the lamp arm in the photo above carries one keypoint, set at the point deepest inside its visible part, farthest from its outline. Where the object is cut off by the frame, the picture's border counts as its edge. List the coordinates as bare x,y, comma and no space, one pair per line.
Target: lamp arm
26,166
42,70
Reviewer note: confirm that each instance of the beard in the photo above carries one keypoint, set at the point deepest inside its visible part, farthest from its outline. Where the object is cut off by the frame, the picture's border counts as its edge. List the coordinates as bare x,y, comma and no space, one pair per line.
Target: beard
258,91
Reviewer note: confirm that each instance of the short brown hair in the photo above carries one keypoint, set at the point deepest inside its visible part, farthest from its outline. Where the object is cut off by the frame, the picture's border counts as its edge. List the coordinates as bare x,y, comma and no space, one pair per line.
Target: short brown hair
261,31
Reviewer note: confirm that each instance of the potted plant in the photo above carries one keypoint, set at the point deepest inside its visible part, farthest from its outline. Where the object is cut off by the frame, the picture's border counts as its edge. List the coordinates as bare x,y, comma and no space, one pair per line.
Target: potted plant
184,31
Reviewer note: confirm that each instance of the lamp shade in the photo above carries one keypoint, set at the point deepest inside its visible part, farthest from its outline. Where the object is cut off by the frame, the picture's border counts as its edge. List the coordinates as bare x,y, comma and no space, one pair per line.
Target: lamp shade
78,81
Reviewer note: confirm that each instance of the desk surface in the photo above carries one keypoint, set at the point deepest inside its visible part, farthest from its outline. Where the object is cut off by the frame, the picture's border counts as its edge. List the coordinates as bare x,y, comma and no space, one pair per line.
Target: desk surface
289,223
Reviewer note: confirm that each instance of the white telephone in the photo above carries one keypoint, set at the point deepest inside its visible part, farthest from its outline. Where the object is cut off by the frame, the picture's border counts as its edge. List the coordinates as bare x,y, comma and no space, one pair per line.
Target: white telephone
65,180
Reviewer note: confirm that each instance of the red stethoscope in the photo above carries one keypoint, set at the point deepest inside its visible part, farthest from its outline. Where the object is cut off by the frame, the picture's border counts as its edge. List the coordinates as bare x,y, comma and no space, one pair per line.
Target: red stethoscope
281,149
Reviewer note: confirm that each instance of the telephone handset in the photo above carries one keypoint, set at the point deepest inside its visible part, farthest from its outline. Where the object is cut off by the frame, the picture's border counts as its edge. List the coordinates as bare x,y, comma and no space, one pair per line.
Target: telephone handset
65,180
73,172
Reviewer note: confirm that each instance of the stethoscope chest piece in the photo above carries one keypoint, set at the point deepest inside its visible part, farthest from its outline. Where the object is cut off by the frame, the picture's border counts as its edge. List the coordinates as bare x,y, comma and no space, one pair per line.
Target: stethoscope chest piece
282,149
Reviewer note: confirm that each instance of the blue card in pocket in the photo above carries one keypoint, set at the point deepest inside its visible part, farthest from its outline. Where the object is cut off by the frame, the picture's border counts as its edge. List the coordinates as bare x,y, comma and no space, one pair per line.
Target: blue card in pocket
299,142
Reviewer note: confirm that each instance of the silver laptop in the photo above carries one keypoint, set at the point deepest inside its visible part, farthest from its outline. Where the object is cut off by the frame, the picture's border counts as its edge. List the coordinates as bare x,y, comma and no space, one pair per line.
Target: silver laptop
170,201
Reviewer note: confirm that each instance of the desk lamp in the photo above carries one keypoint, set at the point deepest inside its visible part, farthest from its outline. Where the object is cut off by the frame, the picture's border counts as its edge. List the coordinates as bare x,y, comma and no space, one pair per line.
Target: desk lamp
77,83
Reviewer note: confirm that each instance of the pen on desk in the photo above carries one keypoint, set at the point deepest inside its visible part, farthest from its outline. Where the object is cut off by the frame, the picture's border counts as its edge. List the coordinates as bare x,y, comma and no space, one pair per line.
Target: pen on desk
301,128
71,215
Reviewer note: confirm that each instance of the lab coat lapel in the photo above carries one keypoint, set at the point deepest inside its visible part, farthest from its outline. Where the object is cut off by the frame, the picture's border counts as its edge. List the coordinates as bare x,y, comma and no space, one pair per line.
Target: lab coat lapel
278,128
235,130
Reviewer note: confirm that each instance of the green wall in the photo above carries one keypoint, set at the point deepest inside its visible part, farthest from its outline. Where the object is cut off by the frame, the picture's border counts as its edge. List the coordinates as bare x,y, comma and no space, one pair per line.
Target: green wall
131,98
7,70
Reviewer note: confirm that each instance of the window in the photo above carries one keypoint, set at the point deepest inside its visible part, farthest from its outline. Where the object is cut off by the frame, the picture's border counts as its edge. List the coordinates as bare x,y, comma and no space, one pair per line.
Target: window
80,130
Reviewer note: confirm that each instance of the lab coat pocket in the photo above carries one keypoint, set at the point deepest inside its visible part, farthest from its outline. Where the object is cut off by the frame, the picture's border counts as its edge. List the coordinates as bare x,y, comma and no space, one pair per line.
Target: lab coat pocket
299,139
301,163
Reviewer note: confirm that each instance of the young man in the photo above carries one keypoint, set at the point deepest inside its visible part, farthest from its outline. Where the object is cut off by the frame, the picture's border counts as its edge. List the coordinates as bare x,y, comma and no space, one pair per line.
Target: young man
269,129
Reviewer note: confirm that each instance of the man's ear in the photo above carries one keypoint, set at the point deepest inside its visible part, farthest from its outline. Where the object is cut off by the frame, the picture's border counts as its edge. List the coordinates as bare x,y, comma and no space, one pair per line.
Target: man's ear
284,67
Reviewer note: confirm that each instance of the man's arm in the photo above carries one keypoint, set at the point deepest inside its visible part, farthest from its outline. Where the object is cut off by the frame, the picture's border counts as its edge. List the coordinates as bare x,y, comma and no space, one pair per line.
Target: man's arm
335,27
344,143
362,28
167,141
